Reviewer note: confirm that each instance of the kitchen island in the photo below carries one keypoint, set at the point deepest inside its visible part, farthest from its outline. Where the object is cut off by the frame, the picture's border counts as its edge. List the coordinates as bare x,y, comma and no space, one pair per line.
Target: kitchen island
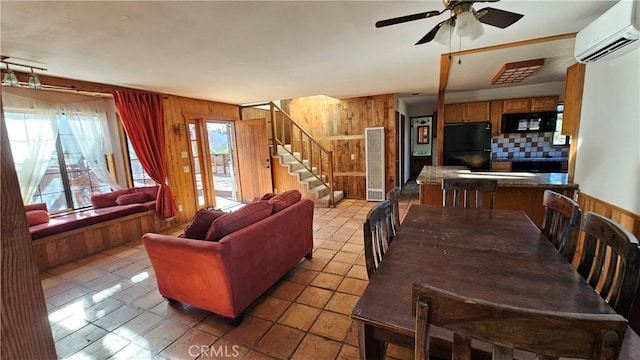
516,190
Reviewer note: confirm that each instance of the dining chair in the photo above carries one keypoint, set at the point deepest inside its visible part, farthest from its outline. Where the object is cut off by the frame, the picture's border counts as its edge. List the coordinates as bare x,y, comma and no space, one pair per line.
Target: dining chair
561,224
378,234
466,189
548,334
394,196
610,261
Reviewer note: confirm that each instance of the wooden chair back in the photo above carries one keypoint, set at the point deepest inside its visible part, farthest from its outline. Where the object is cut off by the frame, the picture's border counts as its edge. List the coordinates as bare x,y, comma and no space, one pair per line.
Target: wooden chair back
378,234
394,196
465,189
548,334
561,223
610,261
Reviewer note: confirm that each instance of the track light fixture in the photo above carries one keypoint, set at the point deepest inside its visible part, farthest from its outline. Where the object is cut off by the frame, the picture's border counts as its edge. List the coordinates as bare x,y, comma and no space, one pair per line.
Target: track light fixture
10,78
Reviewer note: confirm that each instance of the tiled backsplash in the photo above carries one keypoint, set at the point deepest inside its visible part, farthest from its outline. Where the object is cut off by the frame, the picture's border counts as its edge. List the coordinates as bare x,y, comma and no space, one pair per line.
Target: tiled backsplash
526,145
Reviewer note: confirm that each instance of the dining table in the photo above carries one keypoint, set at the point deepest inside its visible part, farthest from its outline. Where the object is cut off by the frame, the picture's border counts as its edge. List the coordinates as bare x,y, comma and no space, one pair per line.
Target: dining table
494,255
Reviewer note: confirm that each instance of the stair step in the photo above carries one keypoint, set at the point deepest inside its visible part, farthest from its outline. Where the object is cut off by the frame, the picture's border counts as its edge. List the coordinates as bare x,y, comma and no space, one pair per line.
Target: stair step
312,182
321,190
337,196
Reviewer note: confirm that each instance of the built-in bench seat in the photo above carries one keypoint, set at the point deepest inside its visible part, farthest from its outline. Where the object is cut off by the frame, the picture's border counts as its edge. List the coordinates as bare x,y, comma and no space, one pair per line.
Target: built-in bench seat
116,218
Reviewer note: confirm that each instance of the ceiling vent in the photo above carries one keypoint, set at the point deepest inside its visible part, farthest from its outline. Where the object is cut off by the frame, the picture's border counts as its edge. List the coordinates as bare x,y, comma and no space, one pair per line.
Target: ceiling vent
614,33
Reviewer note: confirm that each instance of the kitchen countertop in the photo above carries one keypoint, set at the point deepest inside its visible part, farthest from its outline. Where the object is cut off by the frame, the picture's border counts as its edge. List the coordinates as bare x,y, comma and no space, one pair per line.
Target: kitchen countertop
433,175
531,159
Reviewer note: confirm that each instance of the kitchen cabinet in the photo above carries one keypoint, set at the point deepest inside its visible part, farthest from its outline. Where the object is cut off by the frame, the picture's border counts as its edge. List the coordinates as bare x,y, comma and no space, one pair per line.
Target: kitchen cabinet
572,99
454,113
496,117
533,104
466,112
510,106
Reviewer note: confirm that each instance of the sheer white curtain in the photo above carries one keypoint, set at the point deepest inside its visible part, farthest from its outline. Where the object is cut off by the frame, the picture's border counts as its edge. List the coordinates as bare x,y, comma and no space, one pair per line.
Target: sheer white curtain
33,136
88,123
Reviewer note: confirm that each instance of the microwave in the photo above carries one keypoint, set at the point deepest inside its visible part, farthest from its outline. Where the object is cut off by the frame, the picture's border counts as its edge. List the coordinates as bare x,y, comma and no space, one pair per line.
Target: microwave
529,122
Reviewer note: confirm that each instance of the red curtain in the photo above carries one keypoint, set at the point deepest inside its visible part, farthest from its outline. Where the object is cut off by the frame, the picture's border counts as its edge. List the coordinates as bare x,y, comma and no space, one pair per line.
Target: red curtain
143,119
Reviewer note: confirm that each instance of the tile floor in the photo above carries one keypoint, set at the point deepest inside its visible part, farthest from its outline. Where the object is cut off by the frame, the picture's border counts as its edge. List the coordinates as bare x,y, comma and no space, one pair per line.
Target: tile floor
107,306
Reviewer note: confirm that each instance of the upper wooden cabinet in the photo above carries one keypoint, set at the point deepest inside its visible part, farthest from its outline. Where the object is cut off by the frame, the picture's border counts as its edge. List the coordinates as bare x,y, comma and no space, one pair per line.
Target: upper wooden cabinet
496,117
573,99
520,105
467,112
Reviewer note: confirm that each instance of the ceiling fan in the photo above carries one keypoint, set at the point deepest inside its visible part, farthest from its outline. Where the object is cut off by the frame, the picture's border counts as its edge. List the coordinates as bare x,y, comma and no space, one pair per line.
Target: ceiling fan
464,19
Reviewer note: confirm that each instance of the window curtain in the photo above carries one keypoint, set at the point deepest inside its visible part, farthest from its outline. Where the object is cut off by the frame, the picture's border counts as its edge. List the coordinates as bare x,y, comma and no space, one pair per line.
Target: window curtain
33,139
143,119
88,123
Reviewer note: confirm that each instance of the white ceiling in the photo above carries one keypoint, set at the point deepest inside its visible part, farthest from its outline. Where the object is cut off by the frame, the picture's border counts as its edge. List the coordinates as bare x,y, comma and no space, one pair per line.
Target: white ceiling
249,51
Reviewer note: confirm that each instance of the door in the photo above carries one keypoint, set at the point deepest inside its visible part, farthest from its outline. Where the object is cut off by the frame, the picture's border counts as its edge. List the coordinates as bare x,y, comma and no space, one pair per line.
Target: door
254,159
222,168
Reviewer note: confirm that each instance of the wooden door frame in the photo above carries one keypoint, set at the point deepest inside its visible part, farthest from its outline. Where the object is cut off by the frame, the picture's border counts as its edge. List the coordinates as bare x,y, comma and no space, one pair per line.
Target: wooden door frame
208,187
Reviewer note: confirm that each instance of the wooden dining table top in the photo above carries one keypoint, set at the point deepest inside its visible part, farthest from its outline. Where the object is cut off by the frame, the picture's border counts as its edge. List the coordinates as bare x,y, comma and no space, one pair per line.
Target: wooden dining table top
494,255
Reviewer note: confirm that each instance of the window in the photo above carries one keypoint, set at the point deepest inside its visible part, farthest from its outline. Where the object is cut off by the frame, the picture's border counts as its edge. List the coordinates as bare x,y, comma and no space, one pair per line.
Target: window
68,182
139,176
558,138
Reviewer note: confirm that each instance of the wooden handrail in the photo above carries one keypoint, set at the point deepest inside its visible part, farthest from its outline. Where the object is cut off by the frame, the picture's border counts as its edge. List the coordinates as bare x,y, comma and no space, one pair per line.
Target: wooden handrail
312,143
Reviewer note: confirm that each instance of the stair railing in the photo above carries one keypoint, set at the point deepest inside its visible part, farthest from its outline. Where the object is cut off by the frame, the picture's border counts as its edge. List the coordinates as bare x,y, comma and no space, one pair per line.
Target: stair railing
284,130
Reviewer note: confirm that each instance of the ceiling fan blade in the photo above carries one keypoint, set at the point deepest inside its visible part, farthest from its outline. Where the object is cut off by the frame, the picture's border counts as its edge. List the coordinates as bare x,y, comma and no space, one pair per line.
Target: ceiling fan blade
498,18
431,34
407,18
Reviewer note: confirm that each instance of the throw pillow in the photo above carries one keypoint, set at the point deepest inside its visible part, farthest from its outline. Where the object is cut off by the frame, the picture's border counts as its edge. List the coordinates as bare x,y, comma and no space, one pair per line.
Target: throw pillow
231,222
106,199
200,223
35,217
36,206
285,199
133,198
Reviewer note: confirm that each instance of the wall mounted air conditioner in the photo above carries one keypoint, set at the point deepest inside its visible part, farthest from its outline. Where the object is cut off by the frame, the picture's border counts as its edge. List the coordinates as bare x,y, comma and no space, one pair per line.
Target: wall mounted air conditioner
614,33
374,161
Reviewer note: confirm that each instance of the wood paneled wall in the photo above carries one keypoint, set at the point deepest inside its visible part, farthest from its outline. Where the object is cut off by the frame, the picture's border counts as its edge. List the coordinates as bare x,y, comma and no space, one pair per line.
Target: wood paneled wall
26,333
339,126
176,111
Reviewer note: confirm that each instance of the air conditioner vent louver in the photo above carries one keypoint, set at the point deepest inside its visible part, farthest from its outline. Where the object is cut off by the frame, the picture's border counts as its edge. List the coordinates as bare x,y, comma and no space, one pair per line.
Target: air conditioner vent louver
608,50
374,146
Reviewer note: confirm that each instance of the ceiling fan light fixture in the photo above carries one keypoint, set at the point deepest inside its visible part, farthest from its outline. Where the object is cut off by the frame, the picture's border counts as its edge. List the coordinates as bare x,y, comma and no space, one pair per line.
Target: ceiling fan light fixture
466,24
443,36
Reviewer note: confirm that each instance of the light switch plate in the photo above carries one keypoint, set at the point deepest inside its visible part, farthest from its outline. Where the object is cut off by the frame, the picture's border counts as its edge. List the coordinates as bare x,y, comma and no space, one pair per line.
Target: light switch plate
186,168
184,155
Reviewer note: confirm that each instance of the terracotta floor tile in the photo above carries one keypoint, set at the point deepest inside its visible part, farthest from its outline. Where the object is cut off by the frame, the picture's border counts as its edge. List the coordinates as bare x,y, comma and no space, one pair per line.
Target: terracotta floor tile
105,281
302,276
67,326
327,229
348,352
190,345
67,270
190,315
315,347
299,316
118,317
280,341
339,238
352,335
65,297
165,309
327,281
130,294
130,270
162,335
214,325
314,296
270,308
104,348
338,268
248,332
78,340
314,264
342,303
252,355
287,290
353,286
332,244
95,311
324,253
88,275
345,257
354,248
114,263
137,326
332,325
57,286
358,272
149,301
223,349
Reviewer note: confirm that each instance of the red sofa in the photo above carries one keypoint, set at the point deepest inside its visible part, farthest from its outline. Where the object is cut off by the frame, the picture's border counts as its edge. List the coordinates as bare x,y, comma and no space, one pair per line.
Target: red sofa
228,275
106,206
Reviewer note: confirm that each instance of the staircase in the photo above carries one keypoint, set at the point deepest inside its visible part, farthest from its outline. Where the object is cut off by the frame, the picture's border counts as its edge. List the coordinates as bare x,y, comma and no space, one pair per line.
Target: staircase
312,185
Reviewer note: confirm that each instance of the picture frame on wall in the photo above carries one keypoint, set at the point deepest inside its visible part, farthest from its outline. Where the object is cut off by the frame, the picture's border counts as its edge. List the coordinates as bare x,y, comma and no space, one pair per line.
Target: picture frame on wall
423,135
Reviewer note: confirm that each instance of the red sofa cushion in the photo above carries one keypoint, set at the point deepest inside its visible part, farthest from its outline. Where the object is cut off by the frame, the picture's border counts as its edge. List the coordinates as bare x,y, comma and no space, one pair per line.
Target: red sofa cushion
231,222
37,206
200,224
132,198
107,199
35,217
285,199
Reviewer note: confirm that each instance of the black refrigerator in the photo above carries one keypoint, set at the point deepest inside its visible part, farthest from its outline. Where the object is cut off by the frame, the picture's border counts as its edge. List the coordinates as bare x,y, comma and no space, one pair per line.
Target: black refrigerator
468,144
